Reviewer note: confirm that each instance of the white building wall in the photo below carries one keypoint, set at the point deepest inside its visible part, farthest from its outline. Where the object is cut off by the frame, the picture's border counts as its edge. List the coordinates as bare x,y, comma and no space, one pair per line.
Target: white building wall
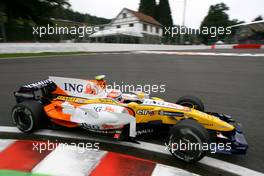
148,31
121,19
138,26
130,18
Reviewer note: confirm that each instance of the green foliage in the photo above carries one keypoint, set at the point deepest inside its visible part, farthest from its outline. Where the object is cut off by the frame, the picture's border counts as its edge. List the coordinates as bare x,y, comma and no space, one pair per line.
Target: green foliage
68,14
35,10
147,7
23,14
163,15
161,12
40,11
258,18
216,17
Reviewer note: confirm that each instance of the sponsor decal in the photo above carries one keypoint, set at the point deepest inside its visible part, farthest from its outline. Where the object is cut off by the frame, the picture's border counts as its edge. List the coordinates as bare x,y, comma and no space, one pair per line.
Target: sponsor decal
145,131
105,126
73,87
173,114
165,104
89,88
98,108
38,84
90,126
109,109
107,101
145,112
154,102
104,108
71,99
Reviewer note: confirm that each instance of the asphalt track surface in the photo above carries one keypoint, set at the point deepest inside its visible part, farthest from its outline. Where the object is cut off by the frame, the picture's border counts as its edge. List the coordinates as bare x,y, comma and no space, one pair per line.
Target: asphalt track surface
231,85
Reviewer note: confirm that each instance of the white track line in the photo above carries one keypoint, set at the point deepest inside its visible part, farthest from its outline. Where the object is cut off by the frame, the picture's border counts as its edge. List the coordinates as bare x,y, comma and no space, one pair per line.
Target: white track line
161,169
69,160
208,161
203,53
5,143
233,168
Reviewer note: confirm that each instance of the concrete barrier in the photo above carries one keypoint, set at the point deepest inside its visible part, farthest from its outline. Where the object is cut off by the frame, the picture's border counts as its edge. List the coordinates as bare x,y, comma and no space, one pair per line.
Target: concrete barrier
89,47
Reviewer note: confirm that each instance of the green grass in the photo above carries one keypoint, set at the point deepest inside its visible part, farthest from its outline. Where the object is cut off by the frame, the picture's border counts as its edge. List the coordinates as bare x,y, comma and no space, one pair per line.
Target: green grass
18,173
16,55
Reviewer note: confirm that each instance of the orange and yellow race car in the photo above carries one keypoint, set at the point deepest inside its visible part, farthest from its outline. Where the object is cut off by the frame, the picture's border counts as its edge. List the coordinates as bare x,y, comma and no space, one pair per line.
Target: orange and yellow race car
88,104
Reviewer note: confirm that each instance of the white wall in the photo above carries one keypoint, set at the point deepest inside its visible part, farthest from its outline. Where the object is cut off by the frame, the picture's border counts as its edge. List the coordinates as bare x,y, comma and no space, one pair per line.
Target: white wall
88,47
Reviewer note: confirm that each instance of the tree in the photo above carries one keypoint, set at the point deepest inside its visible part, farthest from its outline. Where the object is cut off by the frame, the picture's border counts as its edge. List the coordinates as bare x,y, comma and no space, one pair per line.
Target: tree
163,15
258,18
216,17
38,11
147,7
69,14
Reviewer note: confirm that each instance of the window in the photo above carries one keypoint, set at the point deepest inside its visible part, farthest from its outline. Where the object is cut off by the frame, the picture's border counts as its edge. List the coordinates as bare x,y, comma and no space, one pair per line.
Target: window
118,26
157,30
145,27
124,15
151,29
131,25
101,28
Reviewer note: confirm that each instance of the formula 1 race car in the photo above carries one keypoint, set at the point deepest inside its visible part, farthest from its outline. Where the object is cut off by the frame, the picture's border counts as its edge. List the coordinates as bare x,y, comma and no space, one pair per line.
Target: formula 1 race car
190,131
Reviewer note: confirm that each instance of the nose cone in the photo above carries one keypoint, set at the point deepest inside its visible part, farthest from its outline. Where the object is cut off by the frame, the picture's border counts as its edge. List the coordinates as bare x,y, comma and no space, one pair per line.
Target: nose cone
210,121
221,125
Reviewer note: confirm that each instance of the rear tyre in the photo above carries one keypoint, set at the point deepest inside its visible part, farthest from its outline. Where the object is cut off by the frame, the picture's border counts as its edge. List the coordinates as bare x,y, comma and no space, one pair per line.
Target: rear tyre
187,139
191,102
28,116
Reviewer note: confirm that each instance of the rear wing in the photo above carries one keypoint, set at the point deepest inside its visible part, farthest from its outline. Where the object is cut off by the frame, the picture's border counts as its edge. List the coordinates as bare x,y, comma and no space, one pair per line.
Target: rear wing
35,90
38,85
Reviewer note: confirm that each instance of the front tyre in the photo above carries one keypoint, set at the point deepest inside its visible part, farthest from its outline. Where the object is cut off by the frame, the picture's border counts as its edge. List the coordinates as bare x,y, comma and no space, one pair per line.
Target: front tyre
187,139
28,116
191,102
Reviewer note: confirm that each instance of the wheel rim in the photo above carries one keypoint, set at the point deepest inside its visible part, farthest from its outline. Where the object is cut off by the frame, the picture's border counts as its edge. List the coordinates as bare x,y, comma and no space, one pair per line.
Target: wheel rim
189,154
23,119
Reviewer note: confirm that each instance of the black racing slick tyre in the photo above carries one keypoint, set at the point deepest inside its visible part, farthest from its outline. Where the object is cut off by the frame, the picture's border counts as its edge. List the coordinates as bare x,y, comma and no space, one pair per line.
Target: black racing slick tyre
191,102
187,140
28,116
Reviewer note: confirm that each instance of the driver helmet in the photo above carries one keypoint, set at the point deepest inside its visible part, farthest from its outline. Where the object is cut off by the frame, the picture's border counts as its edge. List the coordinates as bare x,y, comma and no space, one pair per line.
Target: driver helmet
116,94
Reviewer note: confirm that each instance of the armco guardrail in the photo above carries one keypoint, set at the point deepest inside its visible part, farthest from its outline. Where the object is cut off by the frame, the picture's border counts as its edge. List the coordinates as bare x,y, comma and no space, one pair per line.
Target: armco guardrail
89,47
